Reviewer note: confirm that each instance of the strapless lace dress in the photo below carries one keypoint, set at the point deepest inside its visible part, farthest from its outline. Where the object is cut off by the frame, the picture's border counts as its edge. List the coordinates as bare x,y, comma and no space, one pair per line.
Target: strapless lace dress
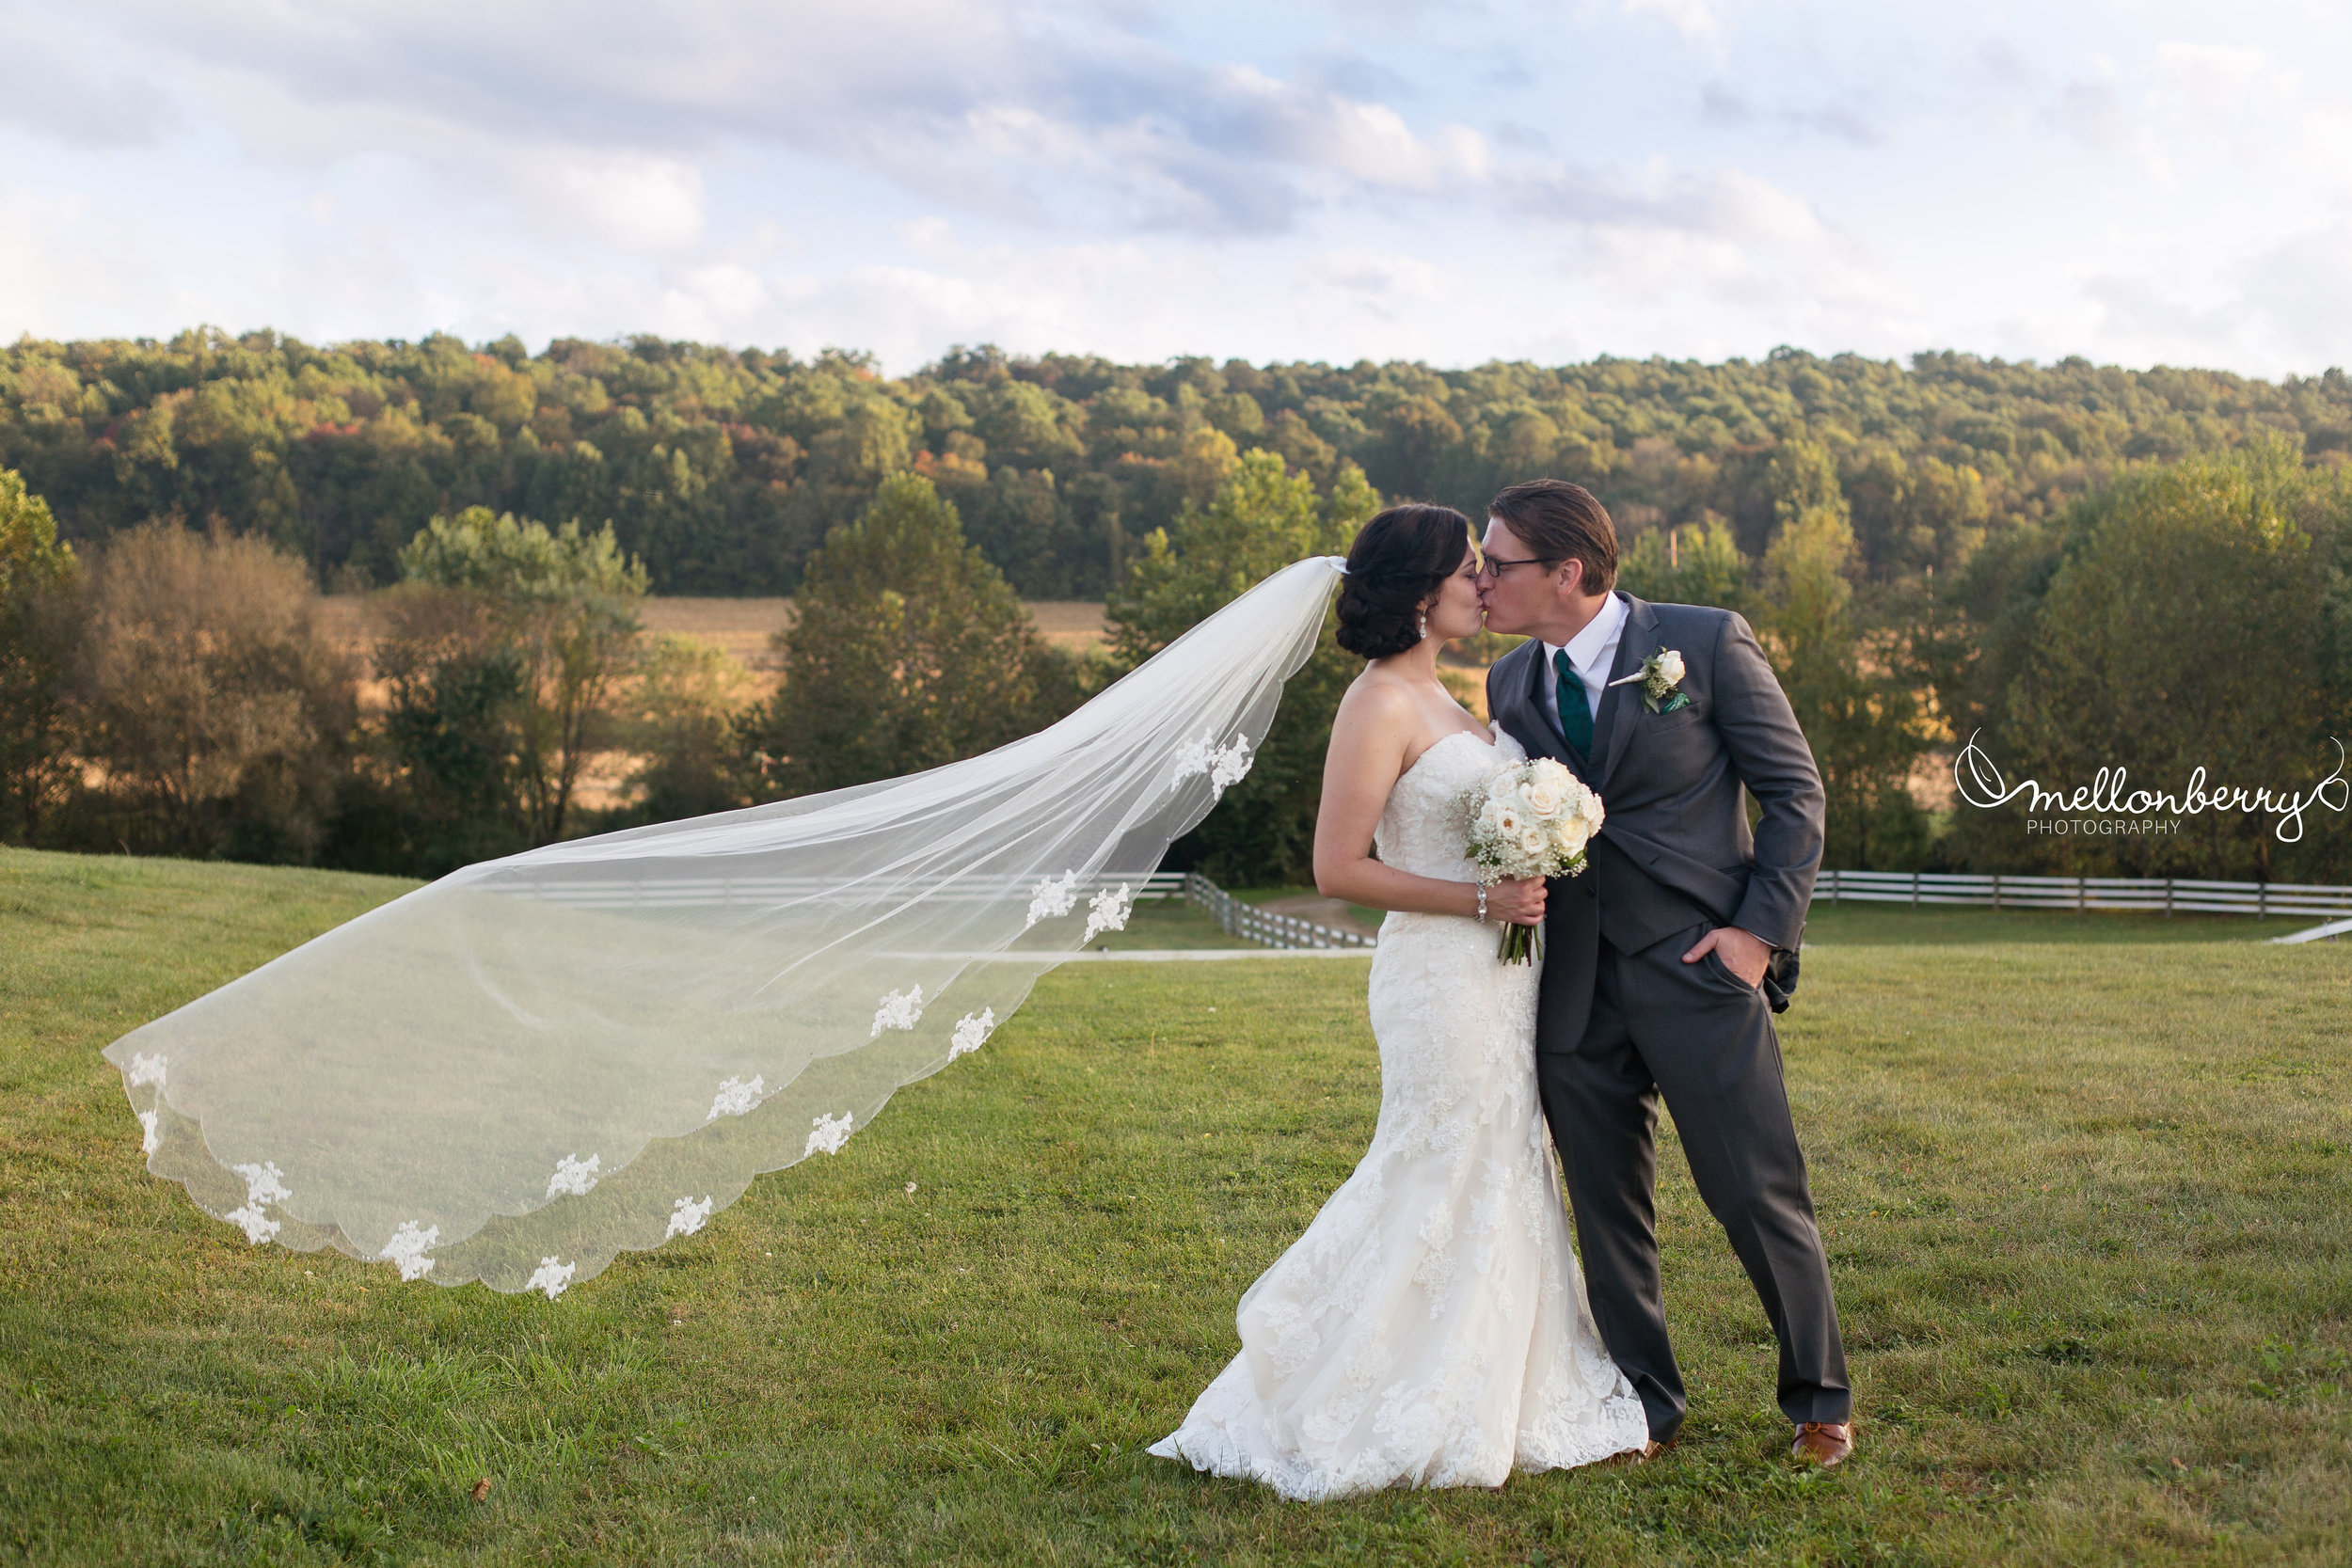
1429,1328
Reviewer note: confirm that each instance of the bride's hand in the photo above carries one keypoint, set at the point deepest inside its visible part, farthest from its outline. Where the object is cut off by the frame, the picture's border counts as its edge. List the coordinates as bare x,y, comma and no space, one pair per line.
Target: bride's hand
1519,901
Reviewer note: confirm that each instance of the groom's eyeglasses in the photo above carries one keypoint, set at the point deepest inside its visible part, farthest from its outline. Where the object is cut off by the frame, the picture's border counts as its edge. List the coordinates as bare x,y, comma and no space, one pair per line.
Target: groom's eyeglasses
1495,565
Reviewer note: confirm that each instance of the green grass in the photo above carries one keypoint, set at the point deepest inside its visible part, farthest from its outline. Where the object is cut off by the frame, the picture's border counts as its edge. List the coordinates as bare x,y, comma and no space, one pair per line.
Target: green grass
2086,1205
1934,925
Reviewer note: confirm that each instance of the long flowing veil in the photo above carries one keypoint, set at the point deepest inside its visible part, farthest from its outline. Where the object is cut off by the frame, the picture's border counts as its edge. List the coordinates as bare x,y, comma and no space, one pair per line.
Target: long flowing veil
534,1063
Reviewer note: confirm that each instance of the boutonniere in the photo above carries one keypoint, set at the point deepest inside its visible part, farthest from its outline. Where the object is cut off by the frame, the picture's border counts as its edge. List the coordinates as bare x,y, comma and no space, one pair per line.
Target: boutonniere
1660,675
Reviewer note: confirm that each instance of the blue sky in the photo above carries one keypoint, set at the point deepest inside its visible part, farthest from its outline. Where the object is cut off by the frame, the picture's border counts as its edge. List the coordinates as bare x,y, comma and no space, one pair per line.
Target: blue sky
2139,182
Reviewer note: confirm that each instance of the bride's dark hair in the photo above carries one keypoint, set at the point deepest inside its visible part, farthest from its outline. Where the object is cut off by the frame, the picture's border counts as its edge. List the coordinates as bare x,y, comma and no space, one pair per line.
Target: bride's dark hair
1396,564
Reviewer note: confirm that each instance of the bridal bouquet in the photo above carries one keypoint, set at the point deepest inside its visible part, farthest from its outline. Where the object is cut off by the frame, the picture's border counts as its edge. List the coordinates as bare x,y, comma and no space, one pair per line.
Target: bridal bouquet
1533,819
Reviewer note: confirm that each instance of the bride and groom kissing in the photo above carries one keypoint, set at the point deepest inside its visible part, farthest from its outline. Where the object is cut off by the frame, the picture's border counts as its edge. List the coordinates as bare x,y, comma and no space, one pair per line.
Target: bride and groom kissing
660,1014
1431,1326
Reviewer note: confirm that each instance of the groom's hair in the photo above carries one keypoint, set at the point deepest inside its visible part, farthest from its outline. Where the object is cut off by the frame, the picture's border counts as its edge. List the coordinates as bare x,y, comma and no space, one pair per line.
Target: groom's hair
1560,521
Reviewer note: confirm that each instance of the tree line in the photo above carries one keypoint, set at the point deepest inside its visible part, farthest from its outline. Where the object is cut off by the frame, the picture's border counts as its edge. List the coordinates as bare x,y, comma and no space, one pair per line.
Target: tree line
2083,566
722,471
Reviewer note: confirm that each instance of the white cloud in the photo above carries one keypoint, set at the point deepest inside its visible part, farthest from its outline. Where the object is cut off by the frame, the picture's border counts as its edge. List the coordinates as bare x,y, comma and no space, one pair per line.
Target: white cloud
1698,20
1386,285
955,99
2093,113
2260,111
643,203
2221,79
1448,179
45,89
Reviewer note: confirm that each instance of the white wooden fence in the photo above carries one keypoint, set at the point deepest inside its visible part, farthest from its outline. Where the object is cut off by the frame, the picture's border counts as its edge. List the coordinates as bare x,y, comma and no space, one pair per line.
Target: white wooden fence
1998,891
2145,894
1247,921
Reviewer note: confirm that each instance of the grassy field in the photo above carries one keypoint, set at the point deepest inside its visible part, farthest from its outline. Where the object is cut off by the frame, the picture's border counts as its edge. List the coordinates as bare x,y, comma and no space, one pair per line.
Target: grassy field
742,628
2083,1180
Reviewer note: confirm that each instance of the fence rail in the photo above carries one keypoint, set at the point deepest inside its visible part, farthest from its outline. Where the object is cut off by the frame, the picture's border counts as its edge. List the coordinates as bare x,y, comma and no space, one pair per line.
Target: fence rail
1996,890
1999,891
1262,927
2144,895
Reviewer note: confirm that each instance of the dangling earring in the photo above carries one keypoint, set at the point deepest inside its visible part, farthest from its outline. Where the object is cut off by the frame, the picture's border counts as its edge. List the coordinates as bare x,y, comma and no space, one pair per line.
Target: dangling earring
1424,626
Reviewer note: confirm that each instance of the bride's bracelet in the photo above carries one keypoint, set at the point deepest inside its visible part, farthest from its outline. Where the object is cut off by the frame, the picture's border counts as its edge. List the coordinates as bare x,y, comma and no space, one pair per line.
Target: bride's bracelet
1481,903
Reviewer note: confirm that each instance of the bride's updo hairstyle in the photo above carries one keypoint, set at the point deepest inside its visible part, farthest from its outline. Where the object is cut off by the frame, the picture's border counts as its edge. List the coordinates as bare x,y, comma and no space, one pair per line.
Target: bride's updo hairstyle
1396,564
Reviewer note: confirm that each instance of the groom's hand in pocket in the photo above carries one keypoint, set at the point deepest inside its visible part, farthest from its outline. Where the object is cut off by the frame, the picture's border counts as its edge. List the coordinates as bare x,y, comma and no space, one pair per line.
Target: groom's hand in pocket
1743,953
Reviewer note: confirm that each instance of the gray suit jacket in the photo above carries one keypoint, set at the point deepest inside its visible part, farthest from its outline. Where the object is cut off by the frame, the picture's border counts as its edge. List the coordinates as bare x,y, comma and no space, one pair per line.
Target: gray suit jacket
1675,850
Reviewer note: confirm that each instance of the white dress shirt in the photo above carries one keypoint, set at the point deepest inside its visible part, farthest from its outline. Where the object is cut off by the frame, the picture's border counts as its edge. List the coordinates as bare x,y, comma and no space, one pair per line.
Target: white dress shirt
1592,654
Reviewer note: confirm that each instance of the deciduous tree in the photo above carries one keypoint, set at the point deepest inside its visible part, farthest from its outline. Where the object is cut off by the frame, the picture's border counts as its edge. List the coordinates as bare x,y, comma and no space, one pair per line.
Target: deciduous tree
2185,627
678,719
559,609
37,579
206,689
1260,520
1848,680
908,650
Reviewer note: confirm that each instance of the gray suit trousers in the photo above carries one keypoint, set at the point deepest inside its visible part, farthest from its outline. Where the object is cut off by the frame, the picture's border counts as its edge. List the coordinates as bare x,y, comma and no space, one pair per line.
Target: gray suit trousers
1701,1038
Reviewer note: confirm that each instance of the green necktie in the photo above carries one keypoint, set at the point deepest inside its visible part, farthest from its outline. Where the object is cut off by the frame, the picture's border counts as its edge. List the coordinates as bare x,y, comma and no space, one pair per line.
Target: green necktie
1576,713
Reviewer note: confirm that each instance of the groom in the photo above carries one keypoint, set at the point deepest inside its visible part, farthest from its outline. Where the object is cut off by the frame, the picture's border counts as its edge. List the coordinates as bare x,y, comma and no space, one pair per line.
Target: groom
1665,961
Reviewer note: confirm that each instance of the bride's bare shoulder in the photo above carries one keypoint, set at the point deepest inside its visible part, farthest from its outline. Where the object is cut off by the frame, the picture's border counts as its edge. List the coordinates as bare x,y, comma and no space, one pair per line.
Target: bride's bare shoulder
1380,699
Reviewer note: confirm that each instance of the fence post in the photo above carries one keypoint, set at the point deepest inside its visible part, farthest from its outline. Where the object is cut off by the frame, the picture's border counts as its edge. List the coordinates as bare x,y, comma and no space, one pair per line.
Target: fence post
2261,900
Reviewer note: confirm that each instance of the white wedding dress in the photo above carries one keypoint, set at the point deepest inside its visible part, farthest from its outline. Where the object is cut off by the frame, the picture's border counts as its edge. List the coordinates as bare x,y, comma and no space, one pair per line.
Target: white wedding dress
1430,1327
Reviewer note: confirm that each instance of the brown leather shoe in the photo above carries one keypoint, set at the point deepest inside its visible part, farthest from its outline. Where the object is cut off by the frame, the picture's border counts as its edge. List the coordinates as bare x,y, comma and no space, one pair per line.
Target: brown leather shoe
1822,1443
1642,1455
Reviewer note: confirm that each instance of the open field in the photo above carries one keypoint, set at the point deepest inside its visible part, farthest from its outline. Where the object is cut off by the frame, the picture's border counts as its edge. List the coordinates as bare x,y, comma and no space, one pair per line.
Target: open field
2083,1180
743,627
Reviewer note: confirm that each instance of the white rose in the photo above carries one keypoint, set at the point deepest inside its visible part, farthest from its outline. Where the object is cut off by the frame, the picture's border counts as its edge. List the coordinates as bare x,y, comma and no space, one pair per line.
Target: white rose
1540,797
1502,786
1570,835
1507,819
1670,666
1531,842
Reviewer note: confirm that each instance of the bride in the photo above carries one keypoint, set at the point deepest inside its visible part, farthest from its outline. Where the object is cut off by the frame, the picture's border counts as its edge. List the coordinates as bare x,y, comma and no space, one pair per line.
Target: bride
1430,1326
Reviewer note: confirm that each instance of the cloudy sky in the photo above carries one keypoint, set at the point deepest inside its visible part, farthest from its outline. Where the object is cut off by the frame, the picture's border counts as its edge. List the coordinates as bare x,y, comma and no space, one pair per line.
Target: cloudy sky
2136,181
